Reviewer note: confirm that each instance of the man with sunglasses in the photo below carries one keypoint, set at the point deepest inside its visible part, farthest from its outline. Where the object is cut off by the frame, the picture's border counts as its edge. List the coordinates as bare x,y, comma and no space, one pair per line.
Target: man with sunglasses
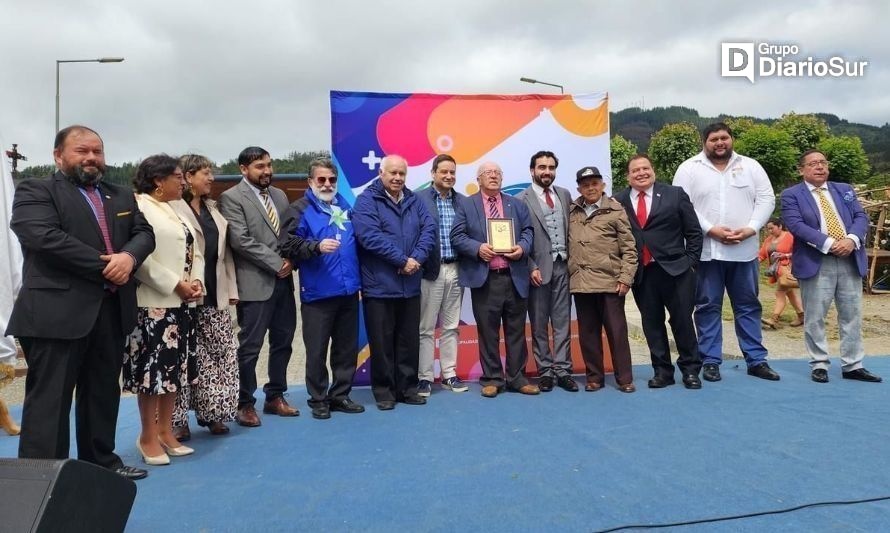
829,227
317,235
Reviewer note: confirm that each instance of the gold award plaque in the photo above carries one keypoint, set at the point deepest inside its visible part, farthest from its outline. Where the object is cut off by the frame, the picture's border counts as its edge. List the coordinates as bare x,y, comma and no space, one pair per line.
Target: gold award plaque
500,235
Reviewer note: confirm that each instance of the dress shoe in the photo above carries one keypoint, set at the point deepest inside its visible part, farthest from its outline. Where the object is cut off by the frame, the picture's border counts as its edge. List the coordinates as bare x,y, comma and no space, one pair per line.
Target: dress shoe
763,371
177,451
386,405
529,389
321,412
279,406
216,427
660,382
711,372
819,375
691,381
247,417
861,374
130,472
593,386
567,383
153,460
490,391
413,399
627,387
182,433
545,384
346,406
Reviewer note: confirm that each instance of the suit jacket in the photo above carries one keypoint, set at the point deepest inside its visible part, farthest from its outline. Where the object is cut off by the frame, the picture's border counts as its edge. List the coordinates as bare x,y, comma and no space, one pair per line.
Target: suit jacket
541,256
253,241
226,289
62,286
802,217
672,233
428,196
470,231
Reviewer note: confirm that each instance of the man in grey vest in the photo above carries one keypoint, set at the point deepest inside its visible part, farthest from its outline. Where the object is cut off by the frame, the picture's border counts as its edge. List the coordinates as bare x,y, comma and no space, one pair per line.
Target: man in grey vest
549,302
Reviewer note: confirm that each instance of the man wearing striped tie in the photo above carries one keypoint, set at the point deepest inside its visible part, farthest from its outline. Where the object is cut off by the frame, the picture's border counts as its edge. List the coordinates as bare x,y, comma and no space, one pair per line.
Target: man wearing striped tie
265,283
829,227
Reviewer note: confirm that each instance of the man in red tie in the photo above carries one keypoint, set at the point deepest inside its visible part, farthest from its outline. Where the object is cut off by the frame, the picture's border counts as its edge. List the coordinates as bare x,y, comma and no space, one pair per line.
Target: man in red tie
669,240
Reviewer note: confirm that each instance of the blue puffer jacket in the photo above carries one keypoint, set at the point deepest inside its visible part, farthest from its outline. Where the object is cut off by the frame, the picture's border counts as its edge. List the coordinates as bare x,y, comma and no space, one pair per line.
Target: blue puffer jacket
388,234
306,223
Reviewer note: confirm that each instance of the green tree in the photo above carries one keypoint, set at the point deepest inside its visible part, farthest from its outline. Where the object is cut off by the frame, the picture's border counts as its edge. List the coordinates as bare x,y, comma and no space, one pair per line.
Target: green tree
670,146
739,125
849,163
806,130
773,149
622,150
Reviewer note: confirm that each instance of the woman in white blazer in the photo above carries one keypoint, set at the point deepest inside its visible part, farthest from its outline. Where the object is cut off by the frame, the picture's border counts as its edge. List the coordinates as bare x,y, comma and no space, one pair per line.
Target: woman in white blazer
170,284
214,396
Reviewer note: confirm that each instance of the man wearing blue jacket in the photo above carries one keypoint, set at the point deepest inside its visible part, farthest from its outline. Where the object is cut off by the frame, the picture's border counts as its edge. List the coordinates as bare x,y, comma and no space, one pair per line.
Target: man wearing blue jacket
395,235
318,236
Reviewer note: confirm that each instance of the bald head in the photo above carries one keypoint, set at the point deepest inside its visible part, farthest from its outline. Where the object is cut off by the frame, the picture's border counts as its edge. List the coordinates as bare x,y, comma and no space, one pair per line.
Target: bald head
393,172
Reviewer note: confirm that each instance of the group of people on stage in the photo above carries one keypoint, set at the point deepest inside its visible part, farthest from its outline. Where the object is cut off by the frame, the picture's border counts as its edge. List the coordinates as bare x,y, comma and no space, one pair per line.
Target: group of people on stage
142,284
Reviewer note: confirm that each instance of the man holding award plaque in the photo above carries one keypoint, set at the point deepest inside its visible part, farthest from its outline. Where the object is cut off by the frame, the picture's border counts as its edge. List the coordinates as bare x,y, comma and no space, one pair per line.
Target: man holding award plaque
493,235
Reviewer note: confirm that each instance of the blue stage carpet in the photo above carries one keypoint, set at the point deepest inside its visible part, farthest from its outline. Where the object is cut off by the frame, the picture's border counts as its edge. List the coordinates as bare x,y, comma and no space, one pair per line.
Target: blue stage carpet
559,461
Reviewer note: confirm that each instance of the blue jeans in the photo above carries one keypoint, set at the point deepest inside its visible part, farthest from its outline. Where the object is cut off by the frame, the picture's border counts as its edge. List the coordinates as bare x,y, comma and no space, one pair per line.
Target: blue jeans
739,281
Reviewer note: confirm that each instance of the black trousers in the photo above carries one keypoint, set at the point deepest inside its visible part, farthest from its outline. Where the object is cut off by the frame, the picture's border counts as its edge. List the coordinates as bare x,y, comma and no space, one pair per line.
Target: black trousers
496,302
88,368
330,323
657,291
598,312
393,326
278,316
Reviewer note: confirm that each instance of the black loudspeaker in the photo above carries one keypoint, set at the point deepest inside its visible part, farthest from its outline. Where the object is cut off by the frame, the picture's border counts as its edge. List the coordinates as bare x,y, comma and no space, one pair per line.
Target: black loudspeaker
62,495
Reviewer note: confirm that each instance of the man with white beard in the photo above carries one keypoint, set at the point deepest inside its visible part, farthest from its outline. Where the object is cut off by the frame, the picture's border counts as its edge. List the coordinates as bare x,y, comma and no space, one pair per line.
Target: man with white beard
317,236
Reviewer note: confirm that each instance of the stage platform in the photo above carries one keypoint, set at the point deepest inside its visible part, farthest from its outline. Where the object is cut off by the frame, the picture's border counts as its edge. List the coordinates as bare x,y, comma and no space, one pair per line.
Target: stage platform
555,462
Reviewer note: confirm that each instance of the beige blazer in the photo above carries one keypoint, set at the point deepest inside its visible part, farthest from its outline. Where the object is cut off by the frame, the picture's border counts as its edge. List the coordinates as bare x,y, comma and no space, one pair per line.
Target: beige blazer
164,268
226,287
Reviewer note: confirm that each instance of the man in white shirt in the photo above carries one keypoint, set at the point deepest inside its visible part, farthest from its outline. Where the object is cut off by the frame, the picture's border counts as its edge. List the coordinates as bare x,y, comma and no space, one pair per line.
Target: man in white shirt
733,199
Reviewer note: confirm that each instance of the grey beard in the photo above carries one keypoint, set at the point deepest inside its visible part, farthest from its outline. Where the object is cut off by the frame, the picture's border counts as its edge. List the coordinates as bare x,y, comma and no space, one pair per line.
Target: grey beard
84,178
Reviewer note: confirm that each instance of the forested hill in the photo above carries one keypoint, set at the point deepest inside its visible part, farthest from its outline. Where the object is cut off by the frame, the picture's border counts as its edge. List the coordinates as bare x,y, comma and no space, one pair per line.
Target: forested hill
638,125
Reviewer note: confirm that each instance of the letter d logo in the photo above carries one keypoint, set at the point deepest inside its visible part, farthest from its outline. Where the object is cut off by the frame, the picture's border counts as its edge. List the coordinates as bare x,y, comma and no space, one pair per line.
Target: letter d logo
737,60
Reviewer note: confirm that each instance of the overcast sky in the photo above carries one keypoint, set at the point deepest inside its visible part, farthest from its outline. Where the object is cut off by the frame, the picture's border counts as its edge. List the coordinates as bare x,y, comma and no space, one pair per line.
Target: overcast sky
215,76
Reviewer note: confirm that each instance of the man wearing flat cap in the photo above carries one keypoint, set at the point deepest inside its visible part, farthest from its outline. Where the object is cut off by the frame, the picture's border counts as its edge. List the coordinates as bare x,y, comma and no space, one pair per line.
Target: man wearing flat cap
602,264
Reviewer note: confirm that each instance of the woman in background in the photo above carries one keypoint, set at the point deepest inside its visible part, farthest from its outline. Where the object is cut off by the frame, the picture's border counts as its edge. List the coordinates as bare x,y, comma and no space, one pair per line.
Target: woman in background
777,249
170,285
214,396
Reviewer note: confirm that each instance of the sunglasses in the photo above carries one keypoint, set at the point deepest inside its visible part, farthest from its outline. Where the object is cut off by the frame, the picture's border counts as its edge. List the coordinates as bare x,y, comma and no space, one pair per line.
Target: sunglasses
321,180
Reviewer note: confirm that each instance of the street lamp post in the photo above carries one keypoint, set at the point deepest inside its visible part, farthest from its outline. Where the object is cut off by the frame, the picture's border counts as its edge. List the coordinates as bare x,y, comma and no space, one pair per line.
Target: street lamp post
531,80
60,61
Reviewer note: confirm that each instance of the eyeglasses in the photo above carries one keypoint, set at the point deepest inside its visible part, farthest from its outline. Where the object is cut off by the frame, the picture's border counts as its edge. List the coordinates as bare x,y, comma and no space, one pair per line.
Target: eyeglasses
491,173
326,179
819,163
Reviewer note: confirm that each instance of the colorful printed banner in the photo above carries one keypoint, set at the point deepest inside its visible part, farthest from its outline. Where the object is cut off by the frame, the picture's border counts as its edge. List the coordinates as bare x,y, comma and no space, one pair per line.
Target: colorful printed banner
506,129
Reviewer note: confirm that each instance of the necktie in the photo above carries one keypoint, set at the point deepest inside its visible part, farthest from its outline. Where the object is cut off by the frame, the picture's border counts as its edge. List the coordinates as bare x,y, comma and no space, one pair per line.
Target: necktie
548,198
93,195
642,216
832,224
493,207
270,210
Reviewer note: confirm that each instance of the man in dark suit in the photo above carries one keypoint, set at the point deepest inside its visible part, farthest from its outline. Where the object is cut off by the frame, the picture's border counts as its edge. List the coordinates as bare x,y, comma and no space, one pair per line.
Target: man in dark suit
828,259
266,301
82,239
549,300
669,242
498,281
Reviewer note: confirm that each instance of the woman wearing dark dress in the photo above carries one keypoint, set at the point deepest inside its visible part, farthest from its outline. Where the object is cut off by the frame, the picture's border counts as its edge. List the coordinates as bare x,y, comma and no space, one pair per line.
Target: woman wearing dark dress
156,362
214,396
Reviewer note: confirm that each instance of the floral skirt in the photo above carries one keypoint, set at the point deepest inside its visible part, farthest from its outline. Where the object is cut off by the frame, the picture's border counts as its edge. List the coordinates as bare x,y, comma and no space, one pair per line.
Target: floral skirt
159,349
214,394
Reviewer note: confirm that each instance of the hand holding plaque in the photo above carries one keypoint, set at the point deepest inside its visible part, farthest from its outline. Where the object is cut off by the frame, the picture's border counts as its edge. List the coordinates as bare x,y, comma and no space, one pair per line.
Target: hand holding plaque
500,235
